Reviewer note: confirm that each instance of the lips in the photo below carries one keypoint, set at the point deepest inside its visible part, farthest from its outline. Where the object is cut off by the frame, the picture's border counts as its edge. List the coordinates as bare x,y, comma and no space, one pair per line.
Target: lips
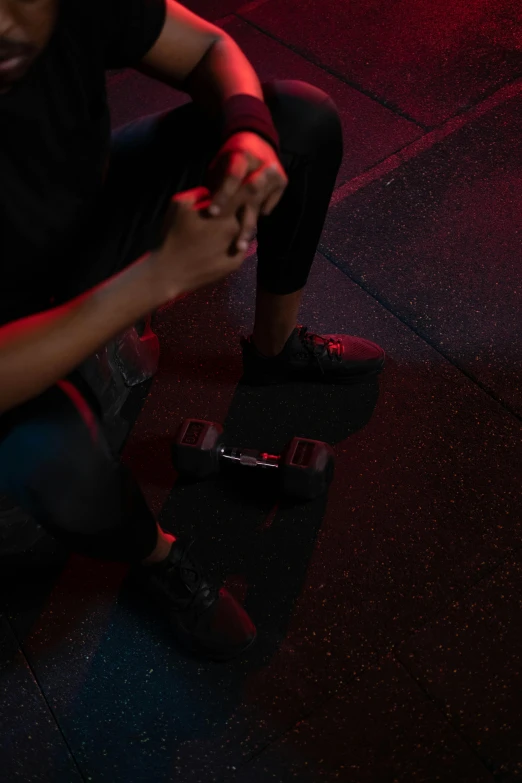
13,60
12,64
12,69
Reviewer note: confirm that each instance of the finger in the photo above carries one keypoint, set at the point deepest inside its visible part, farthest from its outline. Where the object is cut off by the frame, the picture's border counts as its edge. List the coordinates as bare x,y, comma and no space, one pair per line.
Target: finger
255,189
272,201
267,177
248,224
193,197
272,187
236,171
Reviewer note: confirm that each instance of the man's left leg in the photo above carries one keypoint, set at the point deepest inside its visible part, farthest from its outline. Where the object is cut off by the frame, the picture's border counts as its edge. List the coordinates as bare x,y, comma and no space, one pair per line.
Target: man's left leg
311,152
157,157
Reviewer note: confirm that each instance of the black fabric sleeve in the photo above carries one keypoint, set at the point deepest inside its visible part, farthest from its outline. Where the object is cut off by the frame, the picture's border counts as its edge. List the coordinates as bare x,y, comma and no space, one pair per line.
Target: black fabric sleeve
131,28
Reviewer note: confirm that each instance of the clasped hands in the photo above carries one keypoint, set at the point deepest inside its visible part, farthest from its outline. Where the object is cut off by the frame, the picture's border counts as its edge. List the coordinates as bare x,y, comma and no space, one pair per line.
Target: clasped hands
246,166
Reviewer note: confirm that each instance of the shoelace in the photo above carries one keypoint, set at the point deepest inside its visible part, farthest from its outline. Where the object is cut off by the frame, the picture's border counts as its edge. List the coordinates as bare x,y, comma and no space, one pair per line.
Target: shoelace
191,576
321,347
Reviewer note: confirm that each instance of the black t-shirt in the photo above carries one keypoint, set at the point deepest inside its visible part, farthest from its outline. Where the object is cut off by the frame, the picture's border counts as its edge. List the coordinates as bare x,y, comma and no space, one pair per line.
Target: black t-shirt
54,141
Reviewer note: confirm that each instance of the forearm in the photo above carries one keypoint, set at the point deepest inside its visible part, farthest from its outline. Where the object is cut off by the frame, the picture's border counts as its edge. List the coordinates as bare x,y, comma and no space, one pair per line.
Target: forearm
222,73
36,352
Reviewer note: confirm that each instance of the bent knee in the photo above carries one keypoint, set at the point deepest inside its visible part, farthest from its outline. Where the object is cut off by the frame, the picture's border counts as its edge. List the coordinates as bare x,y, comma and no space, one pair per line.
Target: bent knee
79,497
305,113
60,468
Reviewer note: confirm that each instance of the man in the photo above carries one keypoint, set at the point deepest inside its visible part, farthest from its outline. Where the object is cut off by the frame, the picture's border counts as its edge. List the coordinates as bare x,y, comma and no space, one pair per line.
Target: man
94,235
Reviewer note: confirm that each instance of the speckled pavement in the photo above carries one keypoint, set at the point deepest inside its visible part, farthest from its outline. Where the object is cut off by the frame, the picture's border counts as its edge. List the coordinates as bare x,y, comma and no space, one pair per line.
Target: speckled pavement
389,615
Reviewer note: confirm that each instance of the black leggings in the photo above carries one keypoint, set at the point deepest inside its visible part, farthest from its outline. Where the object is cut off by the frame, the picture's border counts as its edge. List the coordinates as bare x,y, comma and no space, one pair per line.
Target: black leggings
54,460
158,156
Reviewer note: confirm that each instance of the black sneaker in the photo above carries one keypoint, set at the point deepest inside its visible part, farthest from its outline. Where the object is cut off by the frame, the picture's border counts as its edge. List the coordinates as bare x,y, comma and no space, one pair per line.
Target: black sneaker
208,621
333,358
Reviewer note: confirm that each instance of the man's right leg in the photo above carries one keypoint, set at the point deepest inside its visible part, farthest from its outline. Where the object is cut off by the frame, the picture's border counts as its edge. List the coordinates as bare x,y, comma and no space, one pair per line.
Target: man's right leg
55,463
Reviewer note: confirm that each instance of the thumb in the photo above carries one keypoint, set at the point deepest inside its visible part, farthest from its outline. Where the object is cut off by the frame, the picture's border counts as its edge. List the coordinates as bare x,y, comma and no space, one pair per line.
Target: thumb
197,198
